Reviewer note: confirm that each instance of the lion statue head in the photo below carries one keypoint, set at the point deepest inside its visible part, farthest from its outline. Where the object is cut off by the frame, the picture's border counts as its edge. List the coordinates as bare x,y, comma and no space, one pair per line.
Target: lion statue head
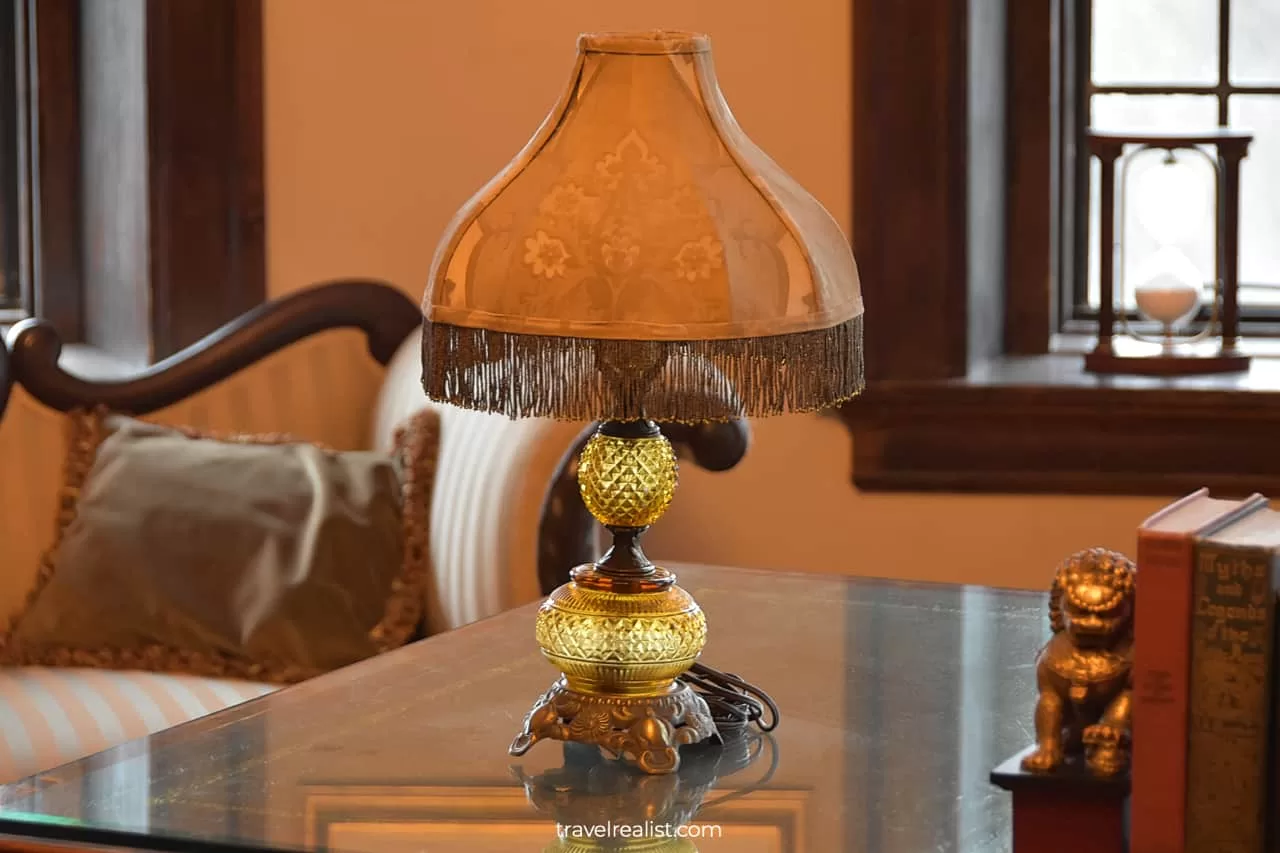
1092,597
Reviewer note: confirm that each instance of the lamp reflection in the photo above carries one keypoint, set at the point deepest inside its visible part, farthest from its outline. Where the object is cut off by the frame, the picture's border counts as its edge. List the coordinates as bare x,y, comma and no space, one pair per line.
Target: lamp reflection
601,804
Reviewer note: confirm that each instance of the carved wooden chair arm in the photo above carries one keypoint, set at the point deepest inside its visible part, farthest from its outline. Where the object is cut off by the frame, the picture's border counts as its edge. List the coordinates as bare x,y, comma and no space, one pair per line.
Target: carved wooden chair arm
381,311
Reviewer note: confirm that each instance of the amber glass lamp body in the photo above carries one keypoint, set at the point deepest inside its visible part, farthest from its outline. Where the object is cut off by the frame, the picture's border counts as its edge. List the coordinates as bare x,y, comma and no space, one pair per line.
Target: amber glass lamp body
621,631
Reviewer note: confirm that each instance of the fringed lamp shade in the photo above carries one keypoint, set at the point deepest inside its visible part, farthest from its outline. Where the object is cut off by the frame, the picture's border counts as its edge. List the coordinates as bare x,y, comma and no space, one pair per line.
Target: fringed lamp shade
641,258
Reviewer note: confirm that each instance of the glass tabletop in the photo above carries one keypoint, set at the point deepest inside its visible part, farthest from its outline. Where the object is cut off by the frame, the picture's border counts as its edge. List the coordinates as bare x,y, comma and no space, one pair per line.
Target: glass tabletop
896,701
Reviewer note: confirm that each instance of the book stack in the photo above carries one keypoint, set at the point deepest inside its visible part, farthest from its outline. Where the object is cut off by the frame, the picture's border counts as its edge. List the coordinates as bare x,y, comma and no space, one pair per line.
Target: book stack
1204,688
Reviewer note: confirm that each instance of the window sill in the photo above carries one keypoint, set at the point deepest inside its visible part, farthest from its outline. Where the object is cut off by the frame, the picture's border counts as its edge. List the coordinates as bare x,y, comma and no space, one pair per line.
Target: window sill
1041,424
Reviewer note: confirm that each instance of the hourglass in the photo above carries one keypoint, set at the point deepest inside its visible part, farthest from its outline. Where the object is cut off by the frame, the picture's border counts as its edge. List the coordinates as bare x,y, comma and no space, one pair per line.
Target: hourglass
1169,286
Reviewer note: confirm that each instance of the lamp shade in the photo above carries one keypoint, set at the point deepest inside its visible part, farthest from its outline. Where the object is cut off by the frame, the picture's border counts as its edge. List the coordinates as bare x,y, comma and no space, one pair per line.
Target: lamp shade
642,258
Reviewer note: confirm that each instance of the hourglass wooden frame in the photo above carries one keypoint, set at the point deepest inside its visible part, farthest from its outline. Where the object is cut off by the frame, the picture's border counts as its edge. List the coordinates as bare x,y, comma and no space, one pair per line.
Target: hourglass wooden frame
1230,148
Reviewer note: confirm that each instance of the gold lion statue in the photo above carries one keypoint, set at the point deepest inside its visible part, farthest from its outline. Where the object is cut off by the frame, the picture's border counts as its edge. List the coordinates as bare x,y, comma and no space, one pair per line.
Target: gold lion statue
1084,673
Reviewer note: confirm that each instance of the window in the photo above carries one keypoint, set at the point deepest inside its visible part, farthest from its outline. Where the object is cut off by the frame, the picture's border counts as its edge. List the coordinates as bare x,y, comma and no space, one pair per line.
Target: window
962,174
1172,66
131,169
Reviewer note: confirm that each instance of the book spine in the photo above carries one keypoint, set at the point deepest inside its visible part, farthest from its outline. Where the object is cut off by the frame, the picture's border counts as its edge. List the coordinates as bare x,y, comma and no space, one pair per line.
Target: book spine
1161,672
1273,819
1230,700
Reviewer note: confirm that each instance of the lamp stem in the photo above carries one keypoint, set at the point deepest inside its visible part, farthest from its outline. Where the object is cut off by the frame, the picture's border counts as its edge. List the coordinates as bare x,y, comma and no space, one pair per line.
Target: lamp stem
625,558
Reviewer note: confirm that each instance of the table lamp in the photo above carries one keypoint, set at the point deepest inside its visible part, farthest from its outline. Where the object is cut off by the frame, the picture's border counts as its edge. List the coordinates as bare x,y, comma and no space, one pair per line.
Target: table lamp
639,261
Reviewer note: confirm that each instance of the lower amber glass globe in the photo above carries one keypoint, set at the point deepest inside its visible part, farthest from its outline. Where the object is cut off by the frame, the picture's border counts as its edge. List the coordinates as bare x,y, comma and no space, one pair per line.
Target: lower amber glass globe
627,644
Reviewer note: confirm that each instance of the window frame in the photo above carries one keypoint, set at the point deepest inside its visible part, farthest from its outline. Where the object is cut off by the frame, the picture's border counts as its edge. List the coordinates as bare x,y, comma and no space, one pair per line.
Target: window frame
202,191
1073,205
951,405
13,165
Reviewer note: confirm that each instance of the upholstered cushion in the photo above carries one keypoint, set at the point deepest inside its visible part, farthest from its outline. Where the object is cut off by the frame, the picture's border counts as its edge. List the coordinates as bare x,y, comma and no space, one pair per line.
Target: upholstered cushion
262,558
51,716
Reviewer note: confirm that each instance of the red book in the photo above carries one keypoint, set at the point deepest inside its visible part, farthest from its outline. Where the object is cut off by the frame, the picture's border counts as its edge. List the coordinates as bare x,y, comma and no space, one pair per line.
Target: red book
1162,664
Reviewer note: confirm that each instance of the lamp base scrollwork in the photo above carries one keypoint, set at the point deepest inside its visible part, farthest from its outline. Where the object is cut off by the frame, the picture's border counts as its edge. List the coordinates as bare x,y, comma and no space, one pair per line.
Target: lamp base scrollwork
646,731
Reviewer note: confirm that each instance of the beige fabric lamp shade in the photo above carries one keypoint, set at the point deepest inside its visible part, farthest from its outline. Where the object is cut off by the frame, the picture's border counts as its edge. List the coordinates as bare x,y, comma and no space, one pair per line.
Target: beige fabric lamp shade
642,258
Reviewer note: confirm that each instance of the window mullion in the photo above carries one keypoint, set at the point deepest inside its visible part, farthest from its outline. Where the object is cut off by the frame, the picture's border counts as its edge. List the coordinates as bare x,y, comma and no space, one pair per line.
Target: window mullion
1224,61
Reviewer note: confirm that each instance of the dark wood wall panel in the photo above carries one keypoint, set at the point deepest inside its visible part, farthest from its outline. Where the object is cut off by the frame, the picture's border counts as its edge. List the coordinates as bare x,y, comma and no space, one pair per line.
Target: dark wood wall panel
1033,124
206,171
910,127
58,273
12,97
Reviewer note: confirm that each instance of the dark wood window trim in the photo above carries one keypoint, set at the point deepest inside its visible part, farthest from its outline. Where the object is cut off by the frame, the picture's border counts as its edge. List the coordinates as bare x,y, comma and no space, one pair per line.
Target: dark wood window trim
55,280
956,402
147,131
12,160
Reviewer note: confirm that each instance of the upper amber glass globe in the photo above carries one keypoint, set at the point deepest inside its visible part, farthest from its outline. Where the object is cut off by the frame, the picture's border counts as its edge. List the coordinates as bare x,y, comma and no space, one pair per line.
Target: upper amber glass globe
627,482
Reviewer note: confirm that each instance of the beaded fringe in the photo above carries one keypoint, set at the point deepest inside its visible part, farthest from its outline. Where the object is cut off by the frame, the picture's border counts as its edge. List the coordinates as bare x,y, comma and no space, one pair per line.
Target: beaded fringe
584,379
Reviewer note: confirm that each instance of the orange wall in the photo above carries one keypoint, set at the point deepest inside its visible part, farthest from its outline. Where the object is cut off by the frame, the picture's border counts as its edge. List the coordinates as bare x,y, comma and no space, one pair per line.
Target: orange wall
384,115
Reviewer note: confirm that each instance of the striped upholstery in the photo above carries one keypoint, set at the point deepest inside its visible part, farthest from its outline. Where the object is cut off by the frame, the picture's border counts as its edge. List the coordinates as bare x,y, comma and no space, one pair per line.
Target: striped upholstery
51,716
492,476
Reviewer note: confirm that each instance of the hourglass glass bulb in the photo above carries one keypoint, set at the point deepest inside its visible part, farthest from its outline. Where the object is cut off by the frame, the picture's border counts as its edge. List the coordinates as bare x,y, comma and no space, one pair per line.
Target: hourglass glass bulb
1167,298
1169,293
1173,199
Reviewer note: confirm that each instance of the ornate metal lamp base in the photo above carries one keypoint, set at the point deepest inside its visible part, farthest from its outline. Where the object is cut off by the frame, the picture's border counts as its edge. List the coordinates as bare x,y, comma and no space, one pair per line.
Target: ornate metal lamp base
646,731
